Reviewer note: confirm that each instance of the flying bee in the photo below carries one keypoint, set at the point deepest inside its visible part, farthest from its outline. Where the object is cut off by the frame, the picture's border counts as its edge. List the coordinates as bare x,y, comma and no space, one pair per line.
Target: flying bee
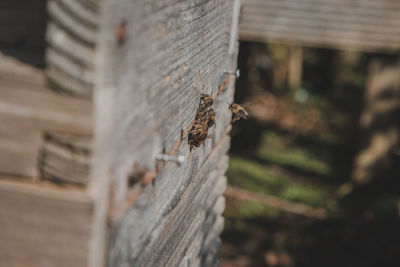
238,112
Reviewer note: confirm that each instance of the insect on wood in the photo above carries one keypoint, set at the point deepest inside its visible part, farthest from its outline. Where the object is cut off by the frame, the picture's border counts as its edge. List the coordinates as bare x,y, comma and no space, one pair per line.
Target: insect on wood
204,120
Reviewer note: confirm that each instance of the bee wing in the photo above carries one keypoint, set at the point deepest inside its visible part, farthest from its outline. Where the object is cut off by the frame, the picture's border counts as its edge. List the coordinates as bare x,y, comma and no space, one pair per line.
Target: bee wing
243,113
246,105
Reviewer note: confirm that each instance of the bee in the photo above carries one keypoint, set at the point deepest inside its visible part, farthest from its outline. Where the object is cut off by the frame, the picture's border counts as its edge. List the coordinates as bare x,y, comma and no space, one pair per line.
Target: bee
205,119
198,134
210,116
238,112
198,131
206,101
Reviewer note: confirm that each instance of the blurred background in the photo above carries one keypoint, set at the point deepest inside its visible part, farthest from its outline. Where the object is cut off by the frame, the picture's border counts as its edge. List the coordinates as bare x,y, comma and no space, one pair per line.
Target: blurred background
313,176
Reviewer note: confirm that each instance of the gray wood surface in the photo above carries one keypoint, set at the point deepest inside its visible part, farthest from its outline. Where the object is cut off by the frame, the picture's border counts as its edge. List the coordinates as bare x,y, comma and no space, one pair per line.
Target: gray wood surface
361,25
148,91
28,110
43,226
65,158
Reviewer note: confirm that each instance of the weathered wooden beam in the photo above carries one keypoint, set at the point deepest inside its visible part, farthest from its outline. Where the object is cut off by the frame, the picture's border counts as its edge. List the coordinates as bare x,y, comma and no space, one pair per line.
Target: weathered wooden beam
61,41
85,32
362,25
29,109
65,158
43,225
72,37
149,89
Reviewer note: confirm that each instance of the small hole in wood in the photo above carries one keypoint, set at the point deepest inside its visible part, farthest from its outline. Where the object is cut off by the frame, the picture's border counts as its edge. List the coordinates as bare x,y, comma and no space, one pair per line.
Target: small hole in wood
138,173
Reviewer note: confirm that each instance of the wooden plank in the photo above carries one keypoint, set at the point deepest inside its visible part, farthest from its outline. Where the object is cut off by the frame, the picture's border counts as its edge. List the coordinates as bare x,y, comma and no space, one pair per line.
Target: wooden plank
63,83
13,72
80,11
211,259
28,109
158,88
73,69
212,243
366,25
61,41
195,219
24,93
84,32
199,246
19,147
72,37
191,246
43,226
162,219
368,7
66,158
148,91
332,17
46,109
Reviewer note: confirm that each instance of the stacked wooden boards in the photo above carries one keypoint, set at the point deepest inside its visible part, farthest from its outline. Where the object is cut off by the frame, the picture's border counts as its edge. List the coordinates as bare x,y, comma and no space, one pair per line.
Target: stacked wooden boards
29,111
72,36
365,25
45,141
147,92
41,224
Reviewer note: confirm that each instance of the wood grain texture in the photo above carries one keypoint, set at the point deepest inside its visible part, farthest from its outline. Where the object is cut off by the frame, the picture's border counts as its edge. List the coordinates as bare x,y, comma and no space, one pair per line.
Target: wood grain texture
361,25
72,38
59,40
66,158
148,92
43,226
28,109
72,22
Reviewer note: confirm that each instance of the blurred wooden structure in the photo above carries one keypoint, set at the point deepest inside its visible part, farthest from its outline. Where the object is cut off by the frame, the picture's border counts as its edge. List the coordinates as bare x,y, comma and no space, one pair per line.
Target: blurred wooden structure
80,183
363,25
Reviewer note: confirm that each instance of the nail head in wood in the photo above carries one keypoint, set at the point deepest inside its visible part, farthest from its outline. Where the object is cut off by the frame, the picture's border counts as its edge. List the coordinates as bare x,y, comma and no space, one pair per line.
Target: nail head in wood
175,158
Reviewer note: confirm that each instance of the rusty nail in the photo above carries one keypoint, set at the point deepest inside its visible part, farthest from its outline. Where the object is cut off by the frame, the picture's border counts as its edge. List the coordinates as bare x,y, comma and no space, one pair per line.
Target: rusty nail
121,32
